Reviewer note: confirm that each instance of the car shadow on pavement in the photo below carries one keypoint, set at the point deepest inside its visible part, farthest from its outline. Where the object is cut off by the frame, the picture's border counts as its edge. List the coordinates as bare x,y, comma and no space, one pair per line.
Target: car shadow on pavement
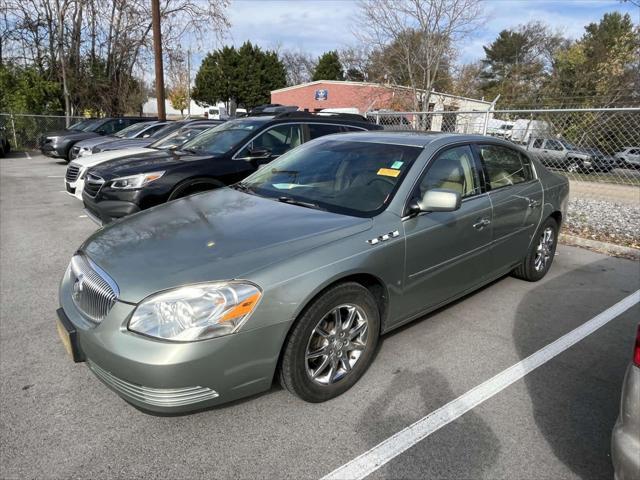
438,456
575,397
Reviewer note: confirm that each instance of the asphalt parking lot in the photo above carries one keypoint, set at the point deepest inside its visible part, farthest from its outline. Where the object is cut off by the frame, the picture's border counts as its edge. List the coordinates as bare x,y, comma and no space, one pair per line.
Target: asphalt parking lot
58,421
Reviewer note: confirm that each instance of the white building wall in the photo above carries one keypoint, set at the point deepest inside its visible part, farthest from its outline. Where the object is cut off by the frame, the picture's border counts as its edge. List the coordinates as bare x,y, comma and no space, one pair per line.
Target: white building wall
150,108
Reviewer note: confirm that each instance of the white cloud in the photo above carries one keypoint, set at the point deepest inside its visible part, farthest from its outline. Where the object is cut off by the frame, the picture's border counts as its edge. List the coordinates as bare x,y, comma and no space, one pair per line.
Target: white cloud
317,26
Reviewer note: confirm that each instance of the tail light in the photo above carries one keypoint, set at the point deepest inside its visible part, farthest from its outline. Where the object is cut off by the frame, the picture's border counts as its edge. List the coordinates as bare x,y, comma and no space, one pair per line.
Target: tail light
636,351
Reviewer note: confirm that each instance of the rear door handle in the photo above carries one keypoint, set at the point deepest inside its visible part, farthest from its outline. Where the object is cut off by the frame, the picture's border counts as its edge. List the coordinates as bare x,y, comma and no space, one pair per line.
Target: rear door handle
481,224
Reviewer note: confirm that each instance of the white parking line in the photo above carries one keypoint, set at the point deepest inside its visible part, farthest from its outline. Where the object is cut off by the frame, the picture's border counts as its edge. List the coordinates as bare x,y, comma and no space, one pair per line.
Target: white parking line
27,155
55,176
393,446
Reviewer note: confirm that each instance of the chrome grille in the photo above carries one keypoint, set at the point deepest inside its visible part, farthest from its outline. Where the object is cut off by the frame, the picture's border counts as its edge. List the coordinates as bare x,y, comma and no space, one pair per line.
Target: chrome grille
93,185
72,172
94,292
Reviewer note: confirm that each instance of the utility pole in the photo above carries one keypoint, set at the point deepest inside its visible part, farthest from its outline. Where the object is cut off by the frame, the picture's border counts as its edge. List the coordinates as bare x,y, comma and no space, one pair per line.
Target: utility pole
157,50
189,82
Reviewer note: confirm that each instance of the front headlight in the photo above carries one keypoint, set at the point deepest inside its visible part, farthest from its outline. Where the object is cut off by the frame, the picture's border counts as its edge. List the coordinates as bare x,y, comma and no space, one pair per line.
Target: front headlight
196,312
136,181
84,151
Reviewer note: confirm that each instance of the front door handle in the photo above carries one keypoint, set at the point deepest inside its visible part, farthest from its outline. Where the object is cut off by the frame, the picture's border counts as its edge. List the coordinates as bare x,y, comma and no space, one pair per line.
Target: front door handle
534,203
481,224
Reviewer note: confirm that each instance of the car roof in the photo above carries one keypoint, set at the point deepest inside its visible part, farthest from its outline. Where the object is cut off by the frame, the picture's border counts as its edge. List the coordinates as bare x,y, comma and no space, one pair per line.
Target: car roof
416,139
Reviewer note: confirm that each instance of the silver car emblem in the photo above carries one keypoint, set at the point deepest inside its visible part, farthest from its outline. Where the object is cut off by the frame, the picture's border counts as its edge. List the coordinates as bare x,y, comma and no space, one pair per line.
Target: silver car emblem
78,286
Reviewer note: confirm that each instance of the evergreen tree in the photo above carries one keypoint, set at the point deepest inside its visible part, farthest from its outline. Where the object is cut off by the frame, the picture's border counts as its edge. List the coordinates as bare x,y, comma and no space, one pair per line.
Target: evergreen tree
245,75
328,67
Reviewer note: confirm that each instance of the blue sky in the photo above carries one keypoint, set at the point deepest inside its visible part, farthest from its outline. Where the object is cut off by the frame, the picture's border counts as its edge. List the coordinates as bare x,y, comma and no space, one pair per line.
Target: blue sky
320,25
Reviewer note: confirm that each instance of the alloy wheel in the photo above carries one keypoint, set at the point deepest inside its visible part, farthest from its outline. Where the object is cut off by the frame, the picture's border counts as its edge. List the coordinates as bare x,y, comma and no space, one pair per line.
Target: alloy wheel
544,249
336,344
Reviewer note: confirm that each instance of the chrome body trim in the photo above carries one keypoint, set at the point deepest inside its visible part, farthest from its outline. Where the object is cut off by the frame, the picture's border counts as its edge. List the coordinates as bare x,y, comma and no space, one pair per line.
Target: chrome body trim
160,397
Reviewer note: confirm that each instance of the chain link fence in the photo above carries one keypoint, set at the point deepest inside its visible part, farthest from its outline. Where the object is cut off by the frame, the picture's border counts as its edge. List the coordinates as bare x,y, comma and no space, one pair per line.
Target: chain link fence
24,131
597,149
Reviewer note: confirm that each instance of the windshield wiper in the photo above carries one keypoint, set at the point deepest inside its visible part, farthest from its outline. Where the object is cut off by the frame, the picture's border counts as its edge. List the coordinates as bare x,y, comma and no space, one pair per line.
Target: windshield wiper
189,150
293,201
242,187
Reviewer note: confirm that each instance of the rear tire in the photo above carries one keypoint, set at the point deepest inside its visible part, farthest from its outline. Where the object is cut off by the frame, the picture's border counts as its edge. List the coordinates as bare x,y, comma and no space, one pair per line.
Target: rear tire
332,343
541,252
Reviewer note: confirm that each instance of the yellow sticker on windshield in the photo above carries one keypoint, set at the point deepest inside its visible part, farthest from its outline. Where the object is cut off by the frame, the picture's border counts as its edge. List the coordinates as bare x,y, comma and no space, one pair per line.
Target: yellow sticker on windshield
389,172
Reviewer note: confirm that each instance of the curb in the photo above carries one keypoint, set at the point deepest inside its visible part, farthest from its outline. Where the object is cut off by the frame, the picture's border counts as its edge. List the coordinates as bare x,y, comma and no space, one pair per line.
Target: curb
602,247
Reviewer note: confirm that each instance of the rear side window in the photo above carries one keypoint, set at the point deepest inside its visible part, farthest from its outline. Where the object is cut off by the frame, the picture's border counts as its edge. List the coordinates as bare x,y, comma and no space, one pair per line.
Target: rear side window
537,143
320,130
505,166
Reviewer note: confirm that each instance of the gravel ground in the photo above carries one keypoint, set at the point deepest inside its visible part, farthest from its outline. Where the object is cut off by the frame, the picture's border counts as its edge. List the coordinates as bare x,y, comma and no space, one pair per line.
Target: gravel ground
605,221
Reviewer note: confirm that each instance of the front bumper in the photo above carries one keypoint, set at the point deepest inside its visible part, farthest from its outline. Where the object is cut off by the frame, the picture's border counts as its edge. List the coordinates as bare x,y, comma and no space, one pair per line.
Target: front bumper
53,151
172,377
625,441
75,188
106,211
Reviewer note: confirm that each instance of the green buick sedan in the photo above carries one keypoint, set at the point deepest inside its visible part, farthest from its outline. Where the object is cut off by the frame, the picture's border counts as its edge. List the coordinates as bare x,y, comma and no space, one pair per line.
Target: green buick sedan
294,273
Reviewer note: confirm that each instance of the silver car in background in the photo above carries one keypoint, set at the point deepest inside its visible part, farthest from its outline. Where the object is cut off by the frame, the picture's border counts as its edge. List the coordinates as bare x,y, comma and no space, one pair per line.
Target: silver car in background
625,443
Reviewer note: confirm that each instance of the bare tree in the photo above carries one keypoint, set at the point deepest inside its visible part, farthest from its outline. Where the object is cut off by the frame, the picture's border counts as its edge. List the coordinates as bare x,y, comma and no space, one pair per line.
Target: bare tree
410,39
178,80
356,62
95,47
299,65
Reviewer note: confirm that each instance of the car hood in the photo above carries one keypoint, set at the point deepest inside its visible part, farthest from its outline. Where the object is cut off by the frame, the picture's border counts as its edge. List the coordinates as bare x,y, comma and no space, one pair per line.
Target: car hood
98,158
218,235
93,141
126,143
71,135
149,162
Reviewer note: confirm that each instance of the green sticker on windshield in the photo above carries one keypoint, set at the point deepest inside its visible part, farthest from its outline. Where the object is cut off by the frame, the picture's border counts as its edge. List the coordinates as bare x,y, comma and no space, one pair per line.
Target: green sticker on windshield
396,165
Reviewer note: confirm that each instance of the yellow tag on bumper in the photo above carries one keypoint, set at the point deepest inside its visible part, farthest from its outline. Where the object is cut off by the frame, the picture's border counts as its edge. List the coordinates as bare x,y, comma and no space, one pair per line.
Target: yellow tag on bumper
389,172
64,337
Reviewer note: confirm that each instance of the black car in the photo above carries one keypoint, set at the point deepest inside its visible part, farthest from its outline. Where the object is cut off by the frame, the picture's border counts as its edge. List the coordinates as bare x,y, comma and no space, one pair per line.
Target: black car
58,144
221,156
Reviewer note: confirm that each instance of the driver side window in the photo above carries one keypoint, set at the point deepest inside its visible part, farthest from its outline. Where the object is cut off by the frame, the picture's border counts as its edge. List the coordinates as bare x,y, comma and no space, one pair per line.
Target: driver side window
454,170
277,140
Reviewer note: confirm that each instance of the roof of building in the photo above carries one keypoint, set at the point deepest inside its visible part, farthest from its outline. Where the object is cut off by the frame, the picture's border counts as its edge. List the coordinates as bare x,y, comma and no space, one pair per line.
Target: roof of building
370,84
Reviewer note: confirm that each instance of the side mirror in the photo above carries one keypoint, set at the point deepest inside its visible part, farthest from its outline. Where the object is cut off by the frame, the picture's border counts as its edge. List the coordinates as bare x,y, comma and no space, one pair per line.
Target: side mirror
146,135
258,153
436,200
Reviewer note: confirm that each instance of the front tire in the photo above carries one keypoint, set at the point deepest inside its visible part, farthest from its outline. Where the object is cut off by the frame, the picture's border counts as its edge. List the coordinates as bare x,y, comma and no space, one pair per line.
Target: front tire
541,252
332,344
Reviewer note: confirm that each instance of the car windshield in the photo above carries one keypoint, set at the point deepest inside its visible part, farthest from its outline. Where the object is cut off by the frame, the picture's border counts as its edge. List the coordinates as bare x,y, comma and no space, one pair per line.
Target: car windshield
179,137
348,177
221,139
167,129
83,125
132,130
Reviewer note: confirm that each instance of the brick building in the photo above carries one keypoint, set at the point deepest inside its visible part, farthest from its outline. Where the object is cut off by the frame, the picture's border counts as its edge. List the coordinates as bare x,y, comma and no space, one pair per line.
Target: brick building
365,97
